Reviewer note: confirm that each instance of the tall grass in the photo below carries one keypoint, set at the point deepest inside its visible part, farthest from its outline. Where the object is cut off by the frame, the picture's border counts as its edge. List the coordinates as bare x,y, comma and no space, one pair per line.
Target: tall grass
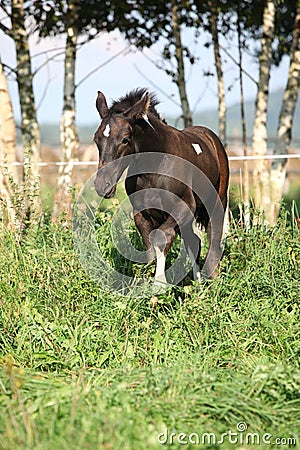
82,368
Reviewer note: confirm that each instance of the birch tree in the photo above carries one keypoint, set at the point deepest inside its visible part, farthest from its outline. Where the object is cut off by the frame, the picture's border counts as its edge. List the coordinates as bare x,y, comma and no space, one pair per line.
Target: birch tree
8,128
8,155
145,24
73,19
245,180
213,20
180,77
29,123
65,17
261,171
285,122
68,130
16,12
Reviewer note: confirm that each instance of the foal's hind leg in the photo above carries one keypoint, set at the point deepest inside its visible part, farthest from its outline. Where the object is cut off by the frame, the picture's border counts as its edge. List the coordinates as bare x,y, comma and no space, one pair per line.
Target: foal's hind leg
192,244
215,233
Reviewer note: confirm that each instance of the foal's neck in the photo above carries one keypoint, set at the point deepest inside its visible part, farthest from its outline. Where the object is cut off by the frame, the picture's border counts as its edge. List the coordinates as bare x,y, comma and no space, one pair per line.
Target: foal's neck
152,139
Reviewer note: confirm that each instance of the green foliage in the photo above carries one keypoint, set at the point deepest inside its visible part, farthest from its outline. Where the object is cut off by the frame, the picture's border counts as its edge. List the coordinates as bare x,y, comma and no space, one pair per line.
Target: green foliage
149,21
88,18
87,369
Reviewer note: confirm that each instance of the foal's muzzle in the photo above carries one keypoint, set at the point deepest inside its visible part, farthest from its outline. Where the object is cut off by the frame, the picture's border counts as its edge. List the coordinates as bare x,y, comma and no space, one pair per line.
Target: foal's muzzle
104,189
110,193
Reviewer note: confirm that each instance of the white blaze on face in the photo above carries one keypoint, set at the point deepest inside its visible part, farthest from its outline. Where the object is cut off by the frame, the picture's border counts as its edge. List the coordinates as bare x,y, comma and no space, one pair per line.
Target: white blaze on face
106,132
197,148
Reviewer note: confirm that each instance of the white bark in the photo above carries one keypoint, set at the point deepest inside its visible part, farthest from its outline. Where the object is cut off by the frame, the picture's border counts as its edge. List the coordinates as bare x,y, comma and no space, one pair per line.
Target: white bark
68,131
261,177
220,78
245,179
285,122
8,172
8,138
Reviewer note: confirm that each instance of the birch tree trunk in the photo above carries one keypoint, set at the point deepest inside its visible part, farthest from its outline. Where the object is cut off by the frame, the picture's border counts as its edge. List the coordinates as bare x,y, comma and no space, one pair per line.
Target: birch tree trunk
30,127
221,86
187,115
68,131
213,20
245,181
9,135
8,155
261,178
285,122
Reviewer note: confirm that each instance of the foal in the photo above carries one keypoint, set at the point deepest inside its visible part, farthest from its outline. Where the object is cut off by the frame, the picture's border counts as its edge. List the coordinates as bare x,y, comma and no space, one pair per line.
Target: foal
185,178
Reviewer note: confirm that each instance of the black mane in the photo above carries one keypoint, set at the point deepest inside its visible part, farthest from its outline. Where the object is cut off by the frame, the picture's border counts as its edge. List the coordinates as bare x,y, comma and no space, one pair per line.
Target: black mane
128,100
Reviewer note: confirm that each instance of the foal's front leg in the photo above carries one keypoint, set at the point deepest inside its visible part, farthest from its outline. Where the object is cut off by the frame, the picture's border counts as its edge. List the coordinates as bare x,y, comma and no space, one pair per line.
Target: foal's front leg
180,219
145,227
155,242
161,240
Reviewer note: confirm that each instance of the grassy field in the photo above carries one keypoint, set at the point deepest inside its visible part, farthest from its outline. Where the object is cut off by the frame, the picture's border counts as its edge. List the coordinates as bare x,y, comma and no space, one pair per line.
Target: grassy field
200,366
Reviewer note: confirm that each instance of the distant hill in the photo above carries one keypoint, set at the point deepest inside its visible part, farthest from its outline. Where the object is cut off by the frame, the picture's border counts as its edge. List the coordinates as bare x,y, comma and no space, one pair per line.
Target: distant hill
209,118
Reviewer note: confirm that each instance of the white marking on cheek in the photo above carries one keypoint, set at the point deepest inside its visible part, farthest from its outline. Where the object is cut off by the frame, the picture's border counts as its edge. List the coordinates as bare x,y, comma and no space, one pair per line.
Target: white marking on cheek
197,148
160,277
106,132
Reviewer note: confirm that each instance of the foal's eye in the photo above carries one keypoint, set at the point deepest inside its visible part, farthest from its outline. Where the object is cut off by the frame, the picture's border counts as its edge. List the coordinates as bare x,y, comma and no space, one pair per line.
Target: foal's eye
126,141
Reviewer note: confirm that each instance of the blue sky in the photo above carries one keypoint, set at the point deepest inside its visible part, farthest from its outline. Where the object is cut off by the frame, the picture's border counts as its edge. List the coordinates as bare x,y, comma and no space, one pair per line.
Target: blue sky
128,71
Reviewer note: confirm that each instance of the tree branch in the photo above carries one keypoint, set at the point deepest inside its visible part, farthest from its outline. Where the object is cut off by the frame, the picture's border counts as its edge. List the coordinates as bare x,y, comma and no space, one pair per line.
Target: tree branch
237,63
11,70
45,91
47,60
6,30
156,87
123,51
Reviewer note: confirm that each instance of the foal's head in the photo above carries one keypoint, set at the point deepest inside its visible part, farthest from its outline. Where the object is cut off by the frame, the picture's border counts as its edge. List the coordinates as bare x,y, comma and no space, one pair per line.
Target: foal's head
115,135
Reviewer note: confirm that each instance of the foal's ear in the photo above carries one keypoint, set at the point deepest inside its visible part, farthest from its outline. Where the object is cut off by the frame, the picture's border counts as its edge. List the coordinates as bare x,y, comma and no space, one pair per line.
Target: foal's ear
101,105
139,109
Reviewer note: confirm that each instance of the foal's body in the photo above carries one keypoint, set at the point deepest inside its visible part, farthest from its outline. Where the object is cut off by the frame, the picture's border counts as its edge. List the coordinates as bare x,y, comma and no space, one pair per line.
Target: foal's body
140,130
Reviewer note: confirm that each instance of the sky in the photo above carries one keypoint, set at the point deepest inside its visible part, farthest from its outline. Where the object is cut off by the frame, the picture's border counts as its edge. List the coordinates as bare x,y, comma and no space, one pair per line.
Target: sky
129,69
